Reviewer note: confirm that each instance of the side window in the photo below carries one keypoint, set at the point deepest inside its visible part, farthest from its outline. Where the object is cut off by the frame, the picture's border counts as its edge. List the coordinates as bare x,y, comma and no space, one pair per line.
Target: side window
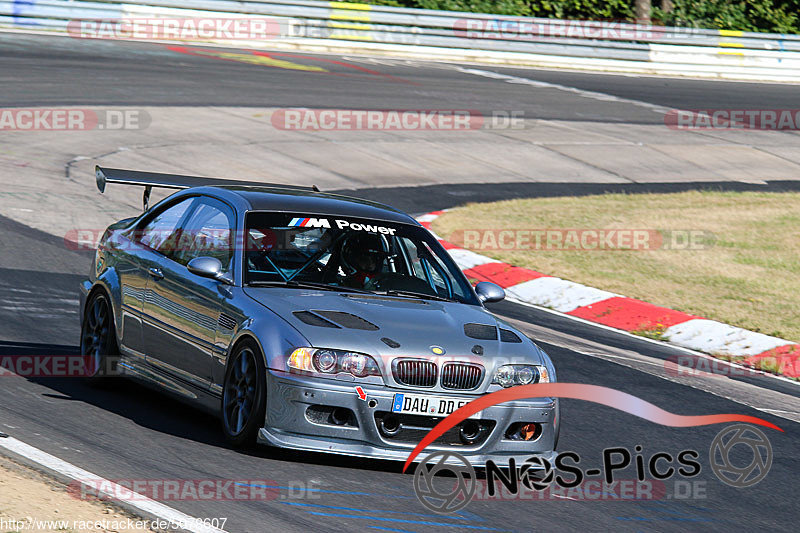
415,266
208,232
160,234
428,266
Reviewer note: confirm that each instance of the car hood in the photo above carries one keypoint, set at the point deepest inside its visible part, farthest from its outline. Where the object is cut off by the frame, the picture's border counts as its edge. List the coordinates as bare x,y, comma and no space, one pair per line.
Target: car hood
366,320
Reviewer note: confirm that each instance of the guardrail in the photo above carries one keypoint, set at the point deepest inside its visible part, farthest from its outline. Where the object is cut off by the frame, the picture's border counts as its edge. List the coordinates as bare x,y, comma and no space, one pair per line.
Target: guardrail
418,33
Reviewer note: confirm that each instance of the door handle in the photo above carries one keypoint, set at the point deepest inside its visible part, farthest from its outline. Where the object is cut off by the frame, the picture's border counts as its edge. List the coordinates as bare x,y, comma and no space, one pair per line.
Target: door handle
156,273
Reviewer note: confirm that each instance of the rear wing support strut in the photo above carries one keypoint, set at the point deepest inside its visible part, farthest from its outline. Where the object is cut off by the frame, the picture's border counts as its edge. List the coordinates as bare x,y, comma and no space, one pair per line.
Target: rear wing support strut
146,197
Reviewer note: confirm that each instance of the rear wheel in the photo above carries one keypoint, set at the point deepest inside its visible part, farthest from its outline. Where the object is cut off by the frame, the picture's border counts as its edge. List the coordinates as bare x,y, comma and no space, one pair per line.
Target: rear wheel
98,339
244,395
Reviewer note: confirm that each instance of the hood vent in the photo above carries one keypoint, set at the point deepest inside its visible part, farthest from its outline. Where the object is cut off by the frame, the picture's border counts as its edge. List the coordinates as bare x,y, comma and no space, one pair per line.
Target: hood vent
390,343
347,320
482,332
506,335
314,320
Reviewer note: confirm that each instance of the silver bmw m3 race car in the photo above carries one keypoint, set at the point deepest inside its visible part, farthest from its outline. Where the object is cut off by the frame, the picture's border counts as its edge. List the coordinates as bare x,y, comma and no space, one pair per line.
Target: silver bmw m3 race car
309,321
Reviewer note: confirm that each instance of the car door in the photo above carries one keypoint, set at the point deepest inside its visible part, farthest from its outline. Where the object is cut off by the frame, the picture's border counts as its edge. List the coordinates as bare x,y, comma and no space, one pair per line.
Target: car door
133,282
181,310
139,252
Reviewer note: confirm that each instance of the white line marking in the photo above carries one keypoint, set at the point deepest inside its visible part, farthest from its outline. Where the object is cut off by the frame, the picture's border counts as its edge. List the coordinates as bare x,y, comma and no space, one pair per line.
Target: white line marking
646,339
762,399
603,97
99,485
36,310
777,411
28,299
703,382
665,76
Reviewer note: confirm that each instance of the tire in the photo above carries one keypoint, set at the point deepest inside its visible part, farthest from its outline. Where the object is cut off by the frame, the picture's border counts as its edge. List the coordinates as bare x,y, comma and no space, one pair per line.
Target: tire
99,346
244,395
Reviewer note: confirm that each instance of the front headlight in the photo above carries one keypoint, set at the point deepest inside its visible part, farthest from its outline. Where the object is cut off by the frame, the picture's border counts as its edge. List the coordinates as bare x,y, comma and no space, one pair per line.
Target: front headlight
510,375
333,362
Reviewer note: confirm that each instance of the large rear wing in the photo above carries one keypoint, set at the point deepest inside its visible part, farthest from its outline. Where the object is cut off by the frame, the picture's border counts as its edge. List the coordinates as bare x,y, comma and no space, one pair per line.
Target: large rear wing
148,180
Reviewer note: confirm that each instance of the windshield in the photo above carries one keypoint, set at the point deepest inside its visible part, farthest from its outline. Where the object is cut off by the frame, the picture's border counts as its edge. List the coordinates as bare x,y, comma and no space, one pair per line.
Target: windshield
351,254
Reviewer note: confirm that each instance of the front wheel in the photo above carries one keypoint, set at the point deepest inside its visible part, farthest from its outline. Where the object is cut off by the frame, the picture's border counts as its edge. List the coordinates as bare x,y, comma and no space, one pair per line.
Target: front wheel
244,395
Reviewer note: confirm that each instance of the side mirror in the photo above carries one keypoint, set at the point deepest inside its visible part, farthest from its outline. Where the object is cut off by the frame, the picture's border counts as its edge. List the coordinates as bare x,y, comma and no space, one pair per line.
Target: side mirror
489,292
208,267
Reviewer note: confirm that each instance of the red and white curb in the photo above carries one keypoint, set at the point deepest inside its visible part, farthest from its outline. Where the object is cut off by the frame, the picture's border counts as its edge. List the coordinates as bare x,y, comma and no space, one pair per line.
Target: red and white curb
620,312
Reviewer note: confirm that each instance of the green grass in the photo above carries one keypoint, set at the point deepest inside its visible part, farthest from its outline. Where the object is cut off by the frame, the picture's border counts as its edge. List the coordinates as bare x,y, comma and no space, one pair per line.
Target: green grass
747,272
656,332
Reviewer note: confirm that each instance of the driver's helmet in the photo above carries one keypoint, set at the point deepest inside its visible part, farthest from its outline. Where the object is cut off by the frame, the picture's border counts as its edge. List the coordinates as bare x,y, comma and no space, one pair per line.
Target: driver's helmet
363,253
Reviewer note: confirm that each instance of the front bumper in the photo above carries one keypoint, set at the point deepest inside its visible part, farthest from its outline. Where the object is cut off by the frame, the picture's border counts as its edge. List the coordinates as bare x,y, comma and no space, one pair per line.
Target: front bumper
288,424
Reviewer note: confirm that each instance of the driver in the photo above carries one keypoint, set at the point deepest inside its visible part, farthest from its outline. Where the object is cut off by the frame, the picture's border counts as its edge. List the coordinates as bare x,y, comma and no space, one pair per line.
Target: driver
362,258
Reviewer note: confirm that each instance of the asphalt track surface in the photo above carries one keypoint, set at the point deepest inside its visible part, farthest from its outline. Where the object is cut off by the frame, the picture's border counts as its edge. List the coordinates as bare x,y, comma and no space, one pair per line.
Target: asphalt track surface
66,71
131,432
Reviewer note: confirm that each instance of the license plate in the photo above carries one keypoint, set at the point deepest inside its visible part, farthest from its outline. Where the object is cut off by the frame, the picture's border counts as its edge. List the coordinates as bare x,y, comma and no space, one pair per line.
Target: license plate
416,404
